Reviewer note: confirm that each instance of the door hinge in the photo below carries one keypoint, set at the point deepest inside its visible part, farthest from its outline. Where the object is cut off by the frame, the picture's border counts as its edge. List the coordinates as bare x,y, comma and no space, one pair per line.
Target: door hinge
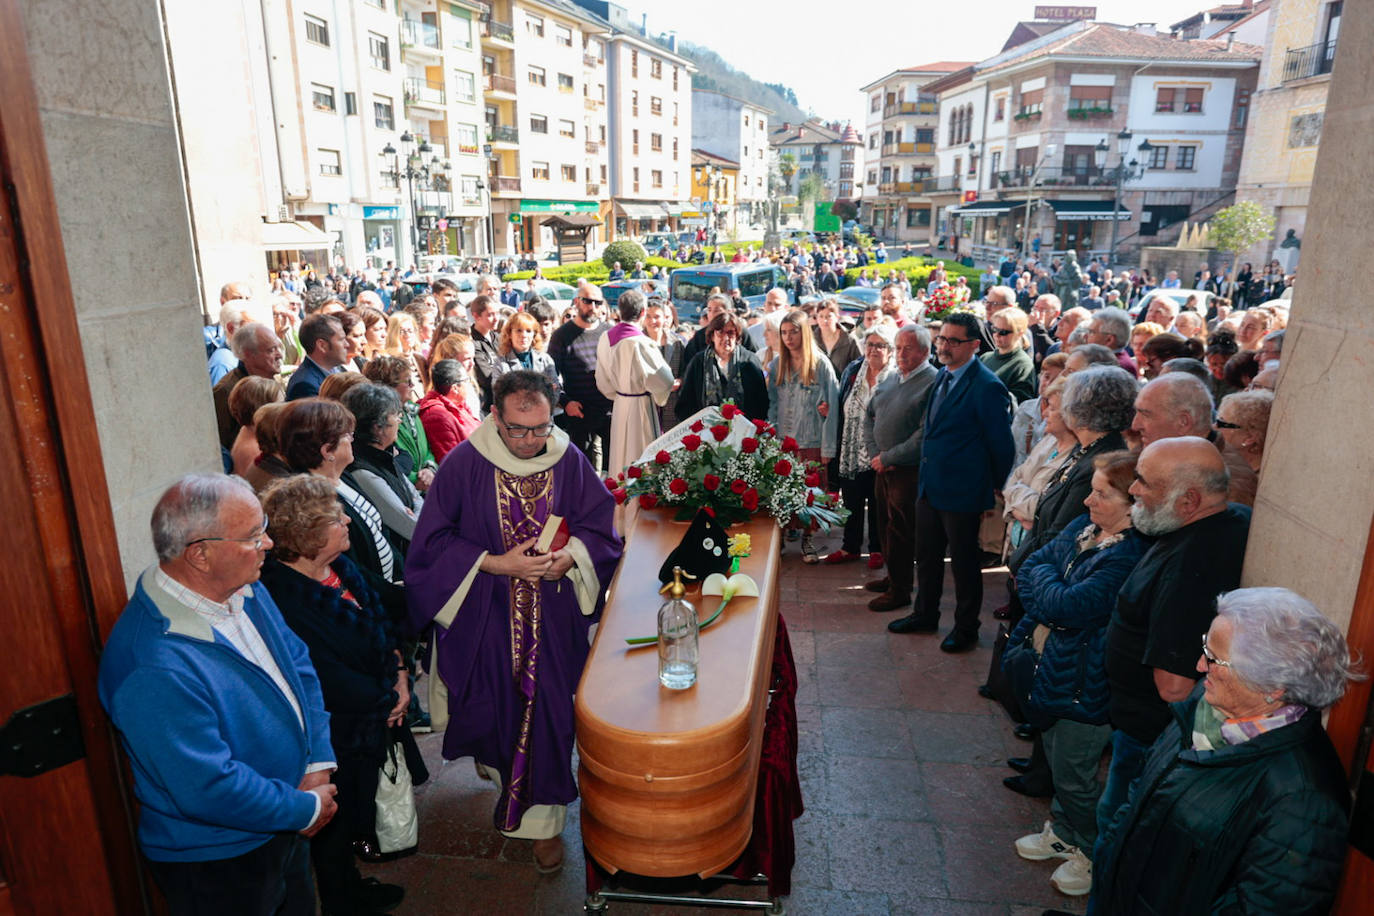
42,737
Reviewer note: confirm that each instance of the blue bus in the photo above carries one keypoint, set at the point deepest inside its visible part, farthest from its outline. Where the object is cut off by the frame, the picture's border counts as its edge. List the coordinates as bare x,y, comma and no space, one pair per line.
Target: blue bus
689,286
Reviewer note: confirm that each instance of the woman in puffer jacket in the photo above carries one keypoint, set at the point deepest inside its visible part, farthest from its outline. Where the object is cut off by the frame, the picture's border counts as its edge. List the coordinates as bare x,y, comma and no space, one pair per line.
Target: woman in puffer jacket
1068,589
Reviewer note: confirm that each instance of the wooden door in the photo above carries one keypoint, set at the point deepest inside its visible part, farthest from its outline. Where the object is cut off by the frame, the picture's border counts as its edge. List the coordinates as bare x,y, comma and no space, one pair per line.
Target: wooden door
66,844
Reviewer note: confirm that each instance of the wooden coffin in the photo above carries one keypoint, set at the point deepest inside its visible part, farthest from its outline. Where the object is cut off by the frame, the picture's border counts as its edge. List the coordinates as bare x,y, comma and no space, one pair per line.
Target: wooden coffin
667,777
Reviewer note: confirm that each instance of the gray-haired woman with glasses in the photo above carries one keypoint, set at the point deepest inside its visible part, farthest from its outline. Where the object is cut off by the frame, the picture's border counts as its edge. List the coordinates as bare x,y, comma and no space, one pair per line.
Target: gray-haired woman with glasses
852,466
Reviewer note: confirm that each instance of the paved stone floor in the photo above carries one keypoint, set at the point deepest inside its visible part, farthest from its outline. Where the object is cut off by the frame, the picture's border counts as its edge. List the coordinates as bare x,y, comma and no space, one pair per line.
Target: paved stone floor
901,765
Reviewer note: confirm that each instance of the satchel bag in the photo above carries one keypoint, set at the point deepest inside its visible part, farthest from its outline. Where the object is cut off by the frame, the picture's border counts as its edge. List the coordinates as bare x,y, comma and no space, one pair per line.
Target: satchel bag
398,827
1020,662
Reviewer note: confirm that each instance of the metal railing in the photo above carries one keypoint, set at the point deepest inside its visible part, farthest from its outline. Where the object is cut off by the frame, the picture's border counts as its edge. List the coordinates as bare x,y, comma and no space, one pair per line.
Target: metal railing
901,187
941,183
593,146
501,31
590,103
498,82
1053,176
590,60
504,133
502,183
906,108
416,34
1313,60
593,189
424,92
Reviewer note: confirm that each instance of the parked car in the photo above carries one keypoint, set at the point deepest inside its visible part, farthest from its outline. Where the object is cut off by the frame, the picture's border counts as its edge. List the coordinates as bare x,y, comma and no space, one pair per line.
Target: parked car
690,286
613,289
1180,296
656,242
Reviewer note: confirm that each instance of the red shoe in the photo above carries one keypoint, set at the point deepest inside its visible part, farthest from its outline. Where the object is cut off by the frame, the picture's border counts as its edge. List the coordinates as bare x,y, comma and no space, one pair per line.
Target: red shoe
841,556
875,560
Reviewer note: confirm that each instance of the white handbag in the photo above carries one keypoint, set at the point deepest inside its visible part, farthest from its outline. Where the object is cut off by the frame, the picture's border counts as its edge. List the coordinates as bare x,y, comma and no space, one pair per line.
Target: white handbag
398,827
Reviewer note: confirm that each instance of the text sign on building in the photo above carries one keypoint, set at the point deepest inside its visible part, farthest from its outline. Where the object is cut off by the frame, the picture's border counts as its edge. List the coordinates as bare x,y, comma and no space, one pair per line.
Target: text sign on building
1069,13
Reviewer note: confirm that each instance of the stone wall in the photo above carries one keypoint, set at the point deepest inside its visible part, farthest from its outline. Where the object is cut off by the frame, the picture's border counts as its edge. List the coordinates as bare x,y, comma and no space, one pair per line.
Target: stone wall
100,72
1315,501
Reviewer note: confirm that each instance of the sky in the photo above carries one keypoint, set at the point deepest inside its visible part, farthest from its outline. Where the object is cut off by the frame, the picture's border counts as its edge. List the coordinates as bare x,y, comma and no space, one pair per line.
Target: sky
825,52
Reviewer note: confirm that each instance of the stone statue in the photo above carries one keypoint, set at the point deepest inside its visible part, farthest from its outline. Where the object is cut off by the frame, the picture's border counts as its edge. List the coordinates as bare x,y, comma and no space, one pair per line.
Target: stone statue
1291,240
1068,281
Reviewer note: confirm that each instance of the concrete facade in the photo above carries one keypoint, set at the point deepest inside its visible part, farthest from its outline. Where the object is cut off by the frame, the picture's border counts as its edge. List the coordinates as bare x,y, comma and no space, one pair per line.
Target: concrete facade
738,131
1312,514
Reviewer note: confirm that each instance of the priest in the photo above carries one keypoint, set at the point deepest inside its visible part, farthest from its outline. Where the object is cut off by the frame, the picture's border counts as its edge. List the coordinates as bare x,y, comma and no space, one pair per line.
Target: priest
510,595
631,373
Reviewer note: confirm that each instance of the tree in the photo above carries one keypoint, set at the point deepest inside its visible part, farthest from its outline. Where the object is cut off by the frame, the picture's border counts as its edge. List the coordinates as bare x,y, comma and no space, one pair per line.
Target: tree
812,187
787,167
1240,226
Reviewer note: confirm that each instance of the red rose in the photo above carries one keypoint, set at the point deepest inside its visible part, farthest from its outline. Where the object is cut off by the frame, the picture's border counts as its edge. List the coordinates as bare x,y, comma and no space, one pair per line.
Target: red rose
697,427
619,496
720,432
710,482
811,497
761,425
648,500
678,486
750,499
691,443
620,476
634,472
662,457
729,411
813,478
749,446
610,484
738,486
782,468
789,444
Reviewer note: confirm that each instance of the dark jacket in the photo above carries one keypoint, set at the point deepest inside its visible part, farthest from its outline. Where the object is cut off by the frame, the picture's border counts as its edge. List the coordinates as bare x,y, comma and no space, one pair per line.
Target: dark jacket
697,343
1074,595
1063,498
362,548
305,382
753,399
1249,828
967,450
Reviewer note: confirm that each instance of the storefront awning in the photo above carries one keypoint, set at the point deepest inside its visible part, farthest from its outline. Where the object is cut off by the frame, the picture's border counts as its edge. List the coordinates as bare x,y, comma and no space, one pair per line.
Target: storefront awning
530,207
986,207
656,209
1086,209
293,236
573,221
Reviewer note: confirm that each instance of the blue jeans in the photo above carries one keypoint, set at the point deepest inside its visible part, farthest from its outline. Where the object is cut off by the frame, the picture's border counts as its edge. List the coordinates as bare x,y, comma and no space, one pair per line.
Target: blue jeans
1128,761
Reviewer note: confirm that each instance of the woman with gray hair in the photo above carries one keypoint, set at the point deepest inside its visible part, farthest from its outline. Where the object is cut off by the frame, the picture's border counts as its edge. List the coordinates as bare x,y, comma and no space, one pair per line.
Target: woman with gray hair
1243,803
377,411
1097,405
852,466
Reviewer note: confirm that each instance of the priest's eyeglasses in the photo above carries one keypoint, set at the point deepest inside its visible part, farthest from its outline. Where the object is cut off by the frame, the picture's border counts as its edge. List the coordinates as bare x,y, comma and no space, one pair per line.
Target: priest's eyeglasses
519,432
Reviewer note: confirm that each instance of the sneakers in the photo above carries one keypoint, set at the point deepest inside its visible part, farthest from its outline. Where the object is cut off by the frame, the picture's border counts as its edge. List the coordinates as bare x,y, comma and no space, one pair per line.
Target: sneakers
1075,876
1045,845
810,556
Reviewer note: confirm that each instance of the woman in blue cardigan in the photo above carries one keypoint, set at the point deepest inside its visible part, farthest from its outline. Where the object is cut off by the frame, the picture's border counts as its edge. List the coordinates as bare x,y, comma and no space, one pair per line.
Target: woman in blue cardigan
334,607
1068,589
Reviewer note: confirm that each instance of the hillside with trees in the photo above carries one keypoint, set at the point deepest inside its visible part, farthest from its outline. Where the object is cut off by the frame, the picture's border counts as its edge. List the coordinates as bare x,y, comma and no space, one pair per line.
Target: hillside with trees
715,74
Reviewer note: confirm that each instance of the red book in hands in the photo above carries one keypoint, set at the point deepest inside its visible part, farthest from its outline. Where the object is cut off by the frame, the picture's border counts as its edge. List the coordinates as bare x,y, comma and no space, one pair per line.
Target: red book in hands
554,536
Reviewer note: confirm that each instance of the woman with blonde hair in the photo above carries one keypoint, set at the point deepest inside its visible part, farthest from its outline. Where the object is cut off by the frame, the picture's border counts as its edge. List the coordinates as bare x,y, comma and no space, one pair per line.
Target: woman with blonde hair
403,341
1010,361
801,389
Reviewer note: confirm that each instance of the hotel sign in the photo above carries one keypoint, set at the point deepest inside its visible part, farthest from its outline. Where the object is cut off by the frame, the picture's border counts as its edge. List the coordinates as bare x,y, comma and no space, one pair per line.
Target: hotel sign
1069,13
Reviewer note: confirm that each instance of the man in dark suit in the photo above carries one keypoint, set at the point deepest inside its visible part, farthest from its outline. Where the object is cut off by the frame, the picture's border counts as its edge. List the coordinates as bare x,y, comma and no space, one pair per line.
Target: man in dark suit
966,454
326,350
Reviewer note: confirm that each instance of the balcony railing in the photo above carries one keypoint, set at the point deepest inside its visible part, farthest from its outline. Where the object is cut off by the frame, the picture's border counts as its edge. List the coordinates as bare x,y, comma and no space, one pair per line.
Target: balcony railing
908,108
1313,60
591,104
940,183
497,82
503,183
593,189
593,146
501,31
415,34
901,187
424,92
504,133
1053,176
591,60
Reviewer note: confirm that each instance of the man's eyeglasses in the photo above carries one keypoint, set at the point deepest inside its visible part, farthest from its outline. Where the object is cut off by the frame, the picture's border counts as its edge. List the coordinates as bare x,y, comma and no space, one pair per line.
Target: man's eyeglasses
953,341
519,432
593,301
254,539
1212,659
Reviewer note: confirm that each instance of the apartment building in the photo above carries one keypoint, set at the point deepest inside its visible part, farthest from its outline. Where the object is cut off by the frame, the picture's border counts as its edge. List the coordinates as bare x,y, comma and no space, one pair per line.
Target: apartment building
544,68
899,151
736,130
1047,128
1286,118
833,154
714,180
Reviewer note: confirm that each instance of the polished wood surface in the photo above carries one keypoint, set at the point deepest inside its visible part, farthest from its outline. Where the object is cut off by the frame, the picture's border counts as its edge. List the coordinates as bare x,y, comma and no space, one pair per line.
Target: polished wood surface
667,777
66,841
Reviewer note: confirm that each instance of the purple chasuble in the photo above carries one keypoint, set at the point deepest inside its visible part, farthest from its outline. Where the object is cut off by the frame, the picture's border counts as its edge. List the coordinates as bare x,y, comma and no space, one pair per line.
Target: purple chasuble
622,330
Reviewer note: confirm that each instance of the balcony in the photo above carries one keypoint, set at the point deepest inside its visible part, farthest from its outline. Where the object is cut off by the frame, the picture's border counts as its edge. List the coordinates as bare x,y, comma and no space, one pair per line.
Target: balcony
593,147
498,31
907,149
503,133
901,187
908,108
591,60
424,93
941,183
499,84
1313,60
502,184
1053,176
593,189
419,36
591,104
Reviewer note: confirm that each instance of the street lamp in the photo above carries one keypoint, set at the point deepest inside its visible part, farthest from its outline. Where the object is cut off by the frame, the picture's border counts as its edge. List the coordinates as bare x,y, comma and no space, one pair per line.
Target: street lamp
416,169
1119,174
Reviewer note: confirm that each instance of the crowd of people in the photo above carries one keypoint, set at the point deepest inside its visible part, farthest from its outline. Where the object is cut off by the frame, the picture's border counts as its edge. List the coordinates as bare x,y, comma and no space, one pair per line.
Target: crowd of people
390,466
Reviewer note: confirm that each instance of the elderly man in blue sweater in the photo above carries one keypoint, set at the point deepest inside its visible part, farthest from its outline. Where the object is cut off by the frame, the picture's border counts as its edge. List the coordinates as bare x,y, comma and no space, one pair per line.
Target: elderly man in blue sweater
220,712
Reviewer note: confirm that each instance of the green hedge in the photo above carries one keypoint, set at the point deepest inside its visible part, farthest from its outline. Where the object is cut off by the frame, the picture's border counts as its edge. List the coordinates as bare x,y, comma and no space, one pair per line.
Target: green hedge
595,271
917,270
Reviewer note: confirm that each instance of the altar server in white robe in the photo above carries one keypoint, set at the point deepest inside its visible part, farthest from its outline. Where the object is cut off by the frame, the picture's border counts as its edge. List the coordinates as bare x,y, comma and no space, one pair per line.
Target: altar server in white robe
631,372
